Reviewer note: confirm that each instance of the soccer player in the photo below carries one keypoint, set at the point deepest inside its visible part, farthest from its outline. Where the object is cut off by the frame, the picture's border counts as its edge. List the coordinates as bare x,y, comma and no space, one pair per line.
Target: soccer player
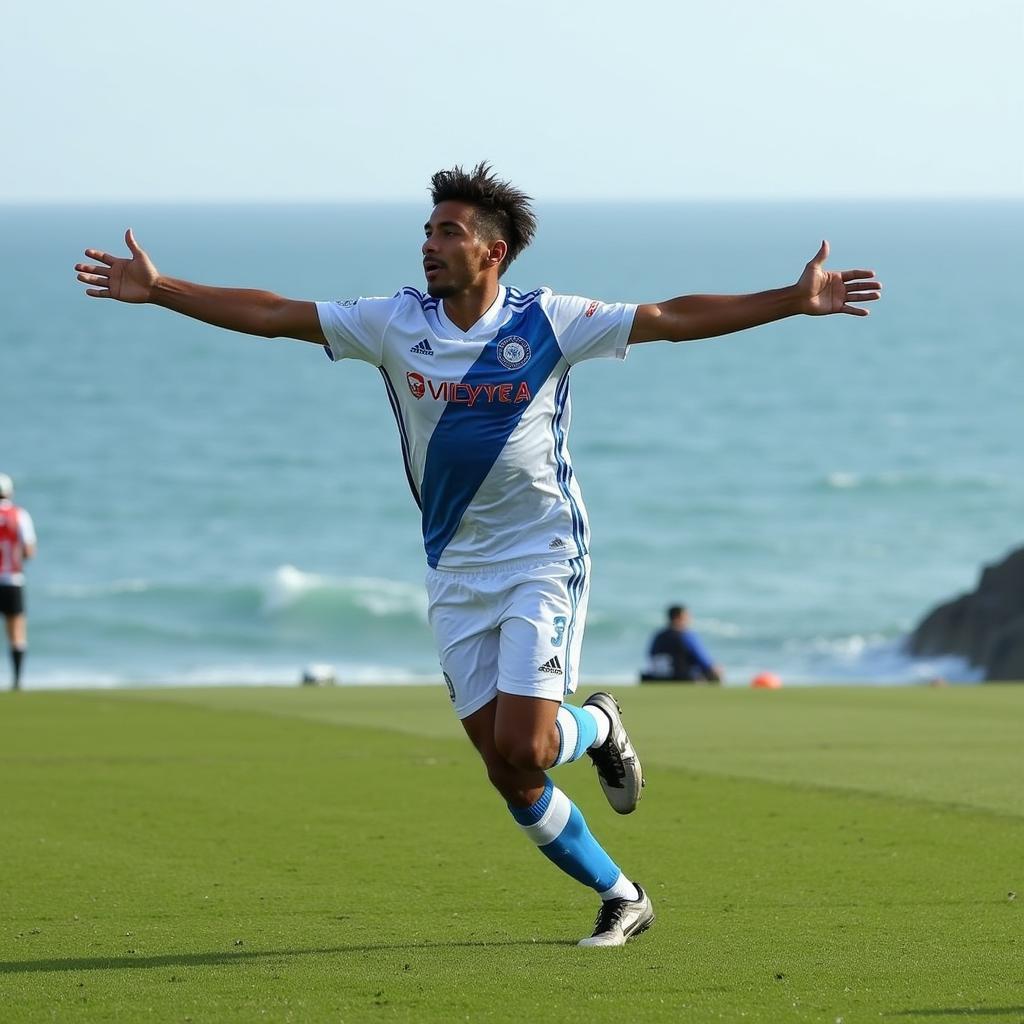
17,545
477,375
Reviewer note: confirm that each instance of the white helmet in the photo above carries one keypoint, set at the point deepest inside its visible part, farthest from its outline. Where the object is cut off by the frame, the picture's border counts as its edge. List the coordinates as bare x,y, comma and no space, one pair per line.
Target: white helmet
6,486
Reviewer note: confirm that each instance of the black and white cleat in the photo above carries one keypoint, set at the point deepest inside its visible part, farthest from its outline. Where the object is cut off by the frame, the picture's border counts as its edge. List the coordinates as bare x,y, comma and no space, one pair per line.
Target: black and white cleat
618,767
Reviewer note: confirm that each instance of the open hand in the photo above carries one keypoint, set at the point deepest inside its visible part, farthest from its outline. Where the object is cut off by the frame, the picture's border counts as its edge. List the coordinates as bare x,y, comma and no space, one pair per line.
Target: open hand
128,280
824,291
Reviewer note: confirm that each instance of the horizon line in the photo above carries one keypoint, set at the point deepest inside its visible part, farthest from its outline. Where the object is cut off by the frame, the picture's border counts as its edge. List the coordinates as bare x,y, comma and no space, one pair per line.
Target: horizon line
567,200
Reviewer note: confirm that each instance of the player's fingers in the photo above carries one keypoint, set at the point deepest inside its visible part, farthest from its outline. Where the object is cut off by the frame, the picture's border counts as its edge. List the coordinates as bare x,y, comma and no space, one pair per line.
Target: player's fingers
103,257
854,310
98,293
100,279
822,254
88,268
129,239
863,286
862,296
855,275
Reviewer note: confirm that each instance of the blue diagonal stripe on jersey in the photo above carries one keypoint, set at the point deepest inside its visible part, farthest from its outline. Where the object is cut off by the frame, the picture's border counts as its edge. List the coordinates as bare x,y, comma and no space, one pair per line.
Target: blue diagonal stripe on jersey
468,439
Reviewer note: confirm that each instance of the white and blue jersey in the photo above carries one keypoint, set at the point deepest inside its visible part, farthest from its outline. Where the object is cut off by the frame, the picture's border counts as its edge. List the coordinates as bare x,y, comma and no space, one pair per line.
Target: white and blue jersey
483,415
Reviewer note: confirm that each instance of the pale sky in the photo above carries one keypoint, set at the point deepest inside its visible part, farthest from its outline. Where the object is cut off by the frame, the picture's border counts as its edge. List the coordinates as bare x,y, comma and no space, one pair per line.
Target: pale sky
311,100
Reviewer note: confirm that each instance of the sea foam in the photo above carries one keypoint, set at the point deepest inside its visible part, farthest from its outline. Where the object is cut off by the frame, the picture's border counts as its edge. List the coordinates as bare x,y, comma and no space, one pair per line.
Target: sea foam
384,598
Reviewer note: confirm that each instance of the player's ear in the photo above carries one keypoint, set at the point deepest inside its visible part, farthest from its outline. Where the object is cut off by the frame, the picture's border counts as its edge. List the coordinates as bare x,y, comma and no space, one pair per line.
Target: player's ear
497,252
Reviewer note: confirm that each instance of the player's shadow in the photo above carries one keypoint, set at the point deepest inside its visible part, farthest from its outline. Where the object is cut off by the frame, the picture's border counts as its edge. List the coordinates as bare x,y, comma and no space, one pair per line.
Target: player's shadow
131,962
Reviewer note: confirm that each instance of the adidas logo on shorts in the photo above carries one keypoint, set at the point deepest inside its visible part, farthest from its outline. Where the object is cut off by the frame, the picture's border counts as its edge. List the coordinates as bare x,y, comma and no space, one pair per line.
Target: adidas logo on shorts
556,543
422,348
552,666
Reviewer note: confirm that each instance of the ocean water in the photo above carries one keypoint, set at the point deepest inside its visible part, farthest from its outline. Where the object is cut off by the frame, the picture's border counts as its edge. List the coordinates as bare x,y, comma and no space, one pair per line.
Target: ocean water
214,508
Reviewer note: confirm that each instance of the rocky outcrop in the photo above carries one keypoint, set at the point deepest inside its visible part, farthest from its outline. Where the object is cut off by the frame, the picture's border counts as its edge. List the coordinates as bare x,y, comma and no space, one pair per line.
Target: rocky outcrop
985,626
1006,655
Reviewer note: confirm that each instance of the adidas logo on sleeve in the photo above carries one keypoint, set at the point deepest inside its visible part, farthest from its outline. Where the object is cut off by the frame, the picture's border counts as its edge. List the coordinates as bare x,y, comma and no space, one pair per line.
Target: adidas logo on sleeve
553,667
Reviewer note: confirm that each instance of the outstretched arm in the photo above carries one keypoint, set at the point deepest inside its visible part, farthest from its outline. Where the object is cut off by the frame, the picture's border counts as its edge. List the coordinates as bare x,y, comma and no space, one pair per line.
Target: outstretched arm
137,280
817,293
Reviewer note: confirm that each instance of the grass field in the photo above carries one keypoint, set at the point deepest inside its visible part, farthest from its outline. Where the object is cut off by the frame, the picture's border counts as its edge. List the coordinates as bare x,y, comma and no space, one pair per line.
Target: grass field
336,855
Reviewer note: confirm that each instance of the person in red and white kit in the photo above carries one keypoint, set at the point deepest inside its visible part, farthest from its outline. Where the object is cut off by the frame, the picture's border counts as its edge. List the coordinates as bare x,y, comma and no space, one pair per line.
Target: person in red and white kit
17,545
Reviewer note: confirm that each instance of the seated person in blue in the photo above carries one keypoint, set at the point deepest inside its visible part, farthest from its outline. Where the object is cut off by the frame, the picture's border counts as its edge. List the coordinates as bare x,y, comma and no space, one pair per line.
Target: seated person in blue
677,655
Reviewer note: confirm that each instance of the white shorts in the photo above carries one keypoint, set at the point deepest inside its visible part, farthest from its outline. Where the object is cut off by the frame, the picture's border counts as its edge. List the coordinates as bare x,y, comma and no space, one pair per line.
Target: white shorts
516,627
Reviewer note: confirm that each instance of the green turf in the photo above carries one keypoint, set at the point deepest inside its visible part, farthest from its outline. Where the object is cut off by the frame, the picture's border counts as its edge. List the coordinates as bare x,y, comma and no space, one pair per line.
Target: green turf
336,855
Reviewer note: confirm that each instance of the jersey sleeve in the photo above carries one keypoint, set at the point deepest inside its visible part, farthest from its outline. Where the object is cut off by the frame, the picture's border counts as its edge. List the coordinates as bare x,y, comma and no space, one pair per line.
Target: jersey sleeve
354,328
589,329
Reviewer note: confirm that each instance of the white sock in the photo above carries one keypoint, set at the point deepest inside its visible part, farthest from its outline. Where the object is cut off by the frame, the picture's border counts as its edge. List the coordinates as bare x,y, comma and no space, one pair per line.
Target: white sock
604,725
623,889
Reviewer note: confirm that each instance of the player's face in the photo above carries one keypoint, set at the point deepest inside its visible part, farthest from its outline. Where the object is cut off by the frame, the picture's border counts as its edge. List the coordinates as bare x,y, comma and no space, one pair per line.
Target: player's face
454,256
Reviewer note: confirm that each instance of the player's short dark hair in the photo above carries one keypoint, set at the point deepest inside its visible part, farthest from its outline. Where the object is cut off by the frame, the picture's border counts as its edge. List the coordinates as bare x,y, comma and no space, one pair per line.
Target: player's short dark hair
676,610
502,210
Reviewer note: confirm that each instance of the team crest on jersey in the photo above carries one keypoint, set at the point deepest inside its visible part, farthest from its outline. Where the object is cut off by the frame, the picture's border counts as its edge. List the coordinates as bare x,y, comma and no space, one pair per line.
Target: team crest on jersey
513,352
417,385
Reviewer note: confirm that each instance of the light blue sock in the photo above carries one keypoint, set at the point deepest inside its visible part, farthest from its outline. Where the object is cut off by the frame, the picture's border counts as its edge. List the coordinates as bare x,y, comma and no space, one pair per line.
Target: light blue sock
556,825
577,731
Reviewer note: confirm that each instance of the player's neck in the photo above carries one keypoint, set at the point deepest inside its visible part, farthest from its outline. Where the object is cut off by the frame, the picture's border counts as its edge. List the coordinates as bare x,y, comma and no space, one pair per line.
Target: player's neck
466,307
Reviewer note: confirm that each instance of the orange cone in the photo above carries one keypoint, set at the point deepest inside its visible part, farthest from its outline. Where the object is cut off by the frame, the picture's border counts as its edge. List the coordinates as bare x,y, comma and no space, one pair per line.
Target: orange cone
766,681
